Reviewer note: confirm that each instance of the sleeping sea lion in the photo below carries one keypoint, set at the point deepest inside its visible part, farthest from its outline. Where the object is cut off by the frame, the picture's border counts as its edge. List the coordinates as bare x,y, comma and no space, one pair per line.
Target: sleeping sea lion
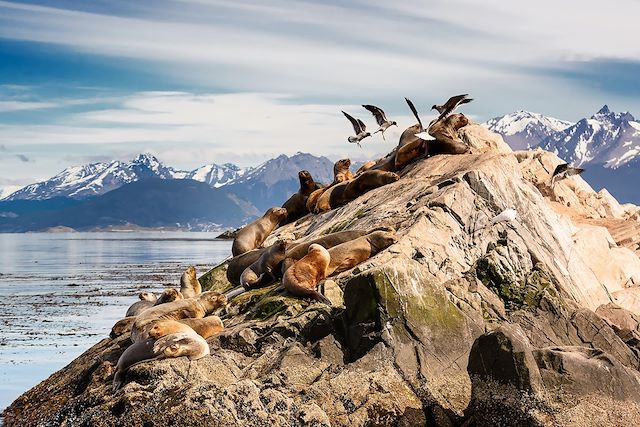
302,278
409,152
189,284
254,234
205,327
122,326
197,307
134,354
296,205
445,132
349,254
187,344
147,300
169,295
265,270
238,264
347,191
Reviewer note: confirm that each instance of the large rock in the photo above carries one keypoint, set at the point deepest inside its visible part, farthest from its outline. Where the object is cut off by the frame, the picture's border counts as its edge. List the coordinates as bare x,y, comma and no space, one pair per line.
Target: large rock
456,295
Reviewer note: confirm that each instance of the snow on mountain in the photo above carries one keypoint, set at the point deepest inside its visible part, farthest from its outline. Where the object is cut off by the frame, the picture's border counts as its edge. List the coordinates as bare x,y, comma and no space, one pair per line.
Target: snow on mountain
523,129
608,138
6,191
80,182
217,175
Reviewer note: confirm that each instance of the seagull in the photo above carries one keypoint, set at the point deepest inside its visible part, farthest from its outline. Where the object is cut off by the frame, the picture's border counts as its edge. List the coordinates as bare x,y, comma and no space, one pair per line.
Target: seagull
380,118
562,171
359,128
448,107
422,134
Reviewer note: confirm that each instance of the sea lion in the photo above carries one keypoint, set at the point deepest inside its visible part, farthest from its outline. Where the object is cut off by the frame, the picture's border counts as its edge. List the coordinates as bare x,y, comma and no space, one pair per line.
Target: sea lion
296,205
189,284
186,344
134,354
445,132
197,307
341,171
347,191
302,278
169,295
409,135
297,250
365,167
409,152
254,234
122,326
205,327
238,264
265,269
349,254
147,300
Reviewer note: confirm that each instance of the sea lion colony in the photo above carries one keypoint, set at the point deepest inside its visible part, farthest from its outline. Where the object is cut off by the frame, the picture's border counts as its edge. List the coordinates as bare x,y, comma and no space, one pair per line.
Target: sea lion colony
178,323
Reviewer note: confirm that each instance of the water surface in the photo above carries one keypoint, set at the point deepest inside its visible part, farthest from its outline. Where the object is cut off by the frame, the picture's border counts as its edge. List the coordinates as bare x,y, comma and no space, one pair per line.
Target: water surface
61,293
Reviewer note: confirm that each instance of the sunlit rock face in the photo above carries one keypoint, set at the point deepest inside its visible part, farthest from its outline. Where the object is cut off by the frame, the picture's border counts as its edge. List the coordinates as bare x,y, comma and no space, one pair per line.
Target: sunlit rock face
460,321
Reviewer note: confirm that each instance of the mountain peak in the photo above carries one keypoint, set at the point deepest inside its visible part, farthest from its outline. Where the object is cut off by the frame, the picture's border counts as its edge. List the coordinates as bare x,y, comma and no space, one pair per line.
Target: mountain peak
604,110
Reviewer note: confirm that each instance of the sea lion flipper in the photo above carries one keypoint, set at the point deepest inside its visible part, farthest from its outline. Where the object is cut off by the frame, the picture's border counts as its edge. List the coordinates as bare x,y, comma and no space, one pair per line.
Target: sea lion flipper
317,296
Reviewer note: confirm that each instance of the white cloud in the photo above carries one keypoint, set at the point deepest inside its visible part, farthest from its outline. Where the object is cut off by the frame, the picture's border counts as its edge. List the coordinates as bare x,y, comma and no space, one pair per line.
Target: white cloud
6,106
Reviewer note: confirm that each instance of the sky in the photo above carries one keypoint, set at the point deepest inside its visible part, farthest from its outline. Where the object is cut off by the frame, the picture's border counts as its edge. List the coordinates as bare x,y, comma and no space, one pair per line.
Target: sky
203,81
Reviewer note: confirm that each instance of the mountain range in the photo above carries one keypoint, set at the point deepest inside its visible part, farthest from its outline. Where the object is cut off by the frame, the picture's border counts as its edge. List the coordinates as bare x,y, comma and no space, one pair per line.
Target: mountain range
607,145
146,193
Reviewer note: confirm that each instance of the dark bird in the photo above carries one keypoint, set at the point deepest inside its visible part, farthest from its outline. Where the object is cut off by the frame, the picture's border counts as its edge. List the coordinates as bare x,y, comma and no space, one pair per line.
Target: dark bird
564,170
448,107
422,134
380,118
359,128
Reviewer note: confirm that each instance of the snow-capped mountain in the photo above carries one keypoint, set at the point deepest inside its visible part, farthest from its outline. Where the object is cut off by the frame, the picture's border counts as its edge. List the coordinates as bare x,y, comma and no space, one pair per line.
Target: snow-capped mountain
80,182
217,175
608,138
523,129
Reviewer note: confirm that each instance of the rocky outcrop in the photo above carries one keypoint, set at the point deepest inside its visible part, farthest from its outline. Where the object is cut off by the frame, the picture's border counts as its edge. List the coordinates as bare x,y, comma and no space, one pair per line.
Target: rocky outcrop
460,322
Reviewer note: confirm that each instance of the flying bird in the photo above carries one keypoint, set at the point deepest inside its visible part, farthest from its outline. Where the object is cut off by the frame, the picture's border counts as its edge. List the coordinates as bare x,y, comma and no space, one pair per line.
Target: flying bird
562,171
448,107
381,118
359,128
422,134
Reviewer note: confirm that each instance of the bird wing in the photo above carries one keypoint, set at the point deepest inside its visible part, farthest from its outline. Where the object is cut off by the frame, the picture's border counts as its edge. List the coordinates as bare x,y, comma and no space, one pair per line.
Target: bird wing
377,113
455,100
363,127
415,113
355,123
560,168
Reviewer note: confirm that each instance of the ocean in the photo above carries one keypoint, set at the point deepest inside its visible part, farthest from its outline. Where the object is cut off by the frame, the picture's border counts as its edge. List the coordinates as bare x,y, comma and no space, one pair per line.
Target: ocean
60,293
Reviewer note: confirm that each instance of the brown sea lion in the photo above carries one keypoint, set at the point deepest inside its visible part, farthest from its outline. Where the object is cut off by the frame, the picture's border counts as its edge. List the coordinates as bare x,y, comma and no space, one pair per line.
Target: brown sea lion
297,250
253,235
205,327
197,307
238,264
302,278
296,205
169,295
409,135
341,171
122,326
445,132
189,284
134,354
349,254
409,152
186,344
347,191
147,299
266,269
365,167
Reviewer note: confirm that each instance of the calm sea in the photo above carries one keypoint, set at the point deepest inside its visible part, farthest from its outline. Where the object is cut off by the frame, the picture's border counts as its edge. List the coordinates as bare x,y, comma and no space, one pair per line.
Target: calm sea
61,293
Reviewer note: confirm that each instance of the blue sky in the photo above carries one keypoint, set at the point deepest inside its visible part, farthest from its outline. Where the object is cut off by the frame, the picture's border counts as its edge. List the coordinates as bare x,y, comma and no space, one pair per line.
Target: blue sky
200,81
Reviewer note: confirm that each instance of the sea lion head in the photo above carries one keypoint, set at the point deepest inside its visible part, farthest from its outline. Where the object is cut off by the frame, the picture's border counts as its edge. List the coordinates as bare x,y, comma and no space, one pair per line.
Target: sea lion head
341,165
318,249
191,271
148,296
170,295
176,345
381,240
457,121
277,213
389,177
212,300
281,245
